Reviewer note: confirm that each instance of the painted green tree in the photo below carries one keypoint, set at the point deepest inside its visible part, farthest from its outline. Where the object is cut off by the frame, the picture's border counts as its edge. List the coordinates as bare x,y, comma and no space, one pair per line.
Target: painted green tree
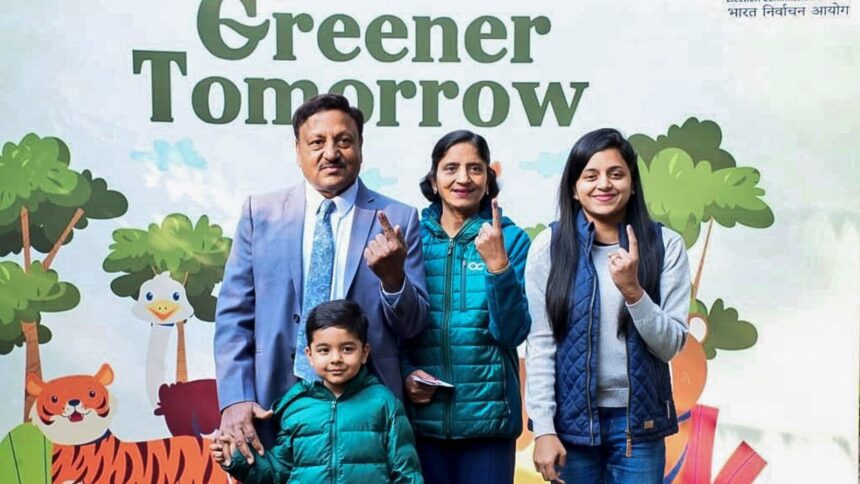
689,180
194,254
42,202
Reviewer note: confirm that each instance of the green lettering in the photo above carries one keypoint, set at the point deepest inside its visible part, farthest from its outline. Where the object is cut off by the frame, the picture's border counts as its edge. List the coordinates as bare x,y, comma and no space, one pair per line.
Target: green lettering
423,43
536,110
522,36
388,100
363,95
430,99
327,33
284,23
283,98
200,100
160,85
500,107
376,33
475,36
209,24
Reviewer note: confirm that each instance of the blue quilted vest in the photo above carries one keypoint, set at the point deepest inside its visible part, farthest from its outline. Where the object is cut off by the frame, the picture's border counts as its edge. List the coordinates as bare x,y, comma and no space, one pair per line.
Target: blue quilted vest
651,411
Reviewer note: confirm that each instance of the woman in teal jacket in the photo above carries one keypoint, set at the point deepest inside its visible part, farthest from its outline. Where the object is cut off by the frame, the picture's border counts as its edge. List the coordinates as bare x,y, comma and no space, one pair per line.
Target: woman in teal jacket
474,261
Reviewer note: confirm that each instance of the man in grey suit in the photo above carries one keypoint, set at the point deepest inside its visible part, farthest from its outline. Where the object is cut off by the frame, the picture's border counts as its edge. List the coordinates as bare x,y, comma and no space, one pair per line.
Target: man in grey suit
275,269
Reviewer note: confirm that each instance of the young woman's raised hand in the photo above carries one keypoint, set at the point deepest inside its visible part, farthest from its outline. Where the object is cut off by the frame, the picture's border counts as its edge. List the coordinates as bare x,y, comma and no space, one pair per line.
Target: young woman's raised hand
624,268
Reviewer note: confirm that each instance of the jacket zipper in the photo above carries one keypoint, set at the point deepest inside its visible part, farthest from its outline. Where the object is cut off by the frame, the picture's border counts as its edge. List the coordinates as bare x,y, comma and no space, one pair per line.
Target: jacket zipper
588,361
333,420
446,319
629,391
463,285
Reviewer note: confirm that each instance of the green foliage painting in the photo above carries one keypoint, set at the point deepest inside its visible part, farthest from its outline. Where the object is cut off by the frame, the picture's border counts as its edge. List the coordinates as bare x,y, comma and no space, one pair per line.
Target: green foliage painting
533,232
24,296
42,202
193,253
690,180
725,330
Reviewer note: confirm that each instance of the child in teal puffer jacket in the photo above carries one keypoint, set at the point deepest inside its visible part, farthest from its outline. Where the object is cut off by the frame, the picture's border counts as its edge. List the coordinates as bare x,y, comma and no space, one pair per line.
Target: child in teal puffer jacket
347,428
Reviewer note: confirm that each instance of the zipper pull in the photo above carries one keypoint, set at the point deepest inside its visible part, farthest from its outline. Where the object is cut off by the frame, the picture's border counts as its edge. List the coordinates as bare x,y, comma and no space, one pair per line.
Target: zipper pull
629,445
331,418
450,246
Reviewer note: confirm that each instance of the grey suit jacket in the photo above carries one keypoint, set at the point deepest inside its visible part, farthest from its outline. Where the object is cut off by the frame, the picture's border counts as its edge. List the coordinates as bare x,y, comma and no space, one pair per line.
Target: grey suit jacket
260,303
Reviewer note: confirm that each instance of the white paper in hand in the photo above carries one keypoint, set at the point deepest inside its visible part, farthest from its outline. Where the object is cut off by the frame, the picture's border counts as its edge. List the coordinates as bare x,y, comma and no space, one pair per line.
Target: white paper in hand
432,383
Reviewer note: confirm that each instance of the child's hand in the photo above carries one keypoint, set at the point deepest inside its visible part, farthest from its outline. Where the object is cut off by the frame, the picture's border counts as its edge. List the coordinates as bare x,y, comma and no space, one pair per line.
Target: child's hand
218,449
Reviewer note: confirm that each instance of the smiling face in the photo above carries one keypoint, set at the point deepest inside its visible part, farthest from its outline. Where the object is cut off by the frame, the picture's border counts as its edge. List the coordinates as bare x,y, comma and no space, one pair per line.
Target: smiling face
336,355
328,151
72,409
461,179
604,187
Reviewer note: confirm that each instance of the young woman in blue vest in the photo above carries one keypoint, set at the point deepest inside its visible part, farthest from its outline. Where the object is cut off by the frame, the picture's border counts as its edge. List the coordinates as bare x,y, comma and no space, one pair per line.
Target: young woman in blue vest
475,262
609,292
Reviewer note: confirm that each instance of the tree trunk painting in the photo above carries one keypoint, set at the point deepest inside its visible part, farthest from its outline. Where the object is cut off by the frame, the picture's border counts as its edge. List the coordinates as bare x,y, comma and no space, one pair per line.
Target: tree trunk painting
33,362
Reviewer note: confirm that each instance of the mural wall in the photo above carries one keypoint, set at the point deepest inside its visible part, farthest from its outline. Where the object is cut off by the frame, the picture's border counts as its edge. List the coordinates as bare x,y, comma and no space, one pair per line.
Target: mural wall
132,133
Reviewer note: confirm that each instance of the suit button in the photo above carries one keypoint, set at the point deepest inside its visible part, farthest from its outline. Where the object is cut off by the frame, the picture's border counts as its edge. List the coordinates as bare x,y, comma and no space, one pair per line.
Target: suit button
296,318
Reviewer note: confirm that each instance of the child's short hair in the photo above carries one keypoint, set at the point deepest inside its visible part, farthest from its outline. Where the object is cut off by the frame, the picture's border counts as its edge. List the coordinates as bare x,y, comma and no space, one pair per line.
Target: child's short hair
340,313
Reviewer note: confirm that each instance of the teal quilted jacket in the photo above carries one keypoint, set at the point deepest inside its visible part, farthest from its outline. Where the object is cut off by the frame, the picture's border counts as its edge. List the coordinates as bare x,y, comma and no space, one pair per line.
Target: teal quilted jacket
476,321
362,436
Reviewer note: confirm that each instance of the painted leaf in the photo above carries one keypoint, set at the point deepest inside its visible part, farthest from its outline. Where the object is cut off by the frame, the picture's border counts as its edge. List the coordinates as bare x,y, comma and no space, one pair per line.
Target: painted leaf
683,194
677,191
25,296
532,232
726,331
25,456
701,139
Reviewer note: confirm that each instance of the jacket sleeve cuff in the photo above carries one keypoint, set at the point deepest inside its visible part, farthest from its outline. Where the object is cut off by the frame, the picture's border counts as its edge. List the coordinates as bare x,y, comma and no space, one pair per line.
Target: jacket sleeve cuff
239,467
643,308
543,425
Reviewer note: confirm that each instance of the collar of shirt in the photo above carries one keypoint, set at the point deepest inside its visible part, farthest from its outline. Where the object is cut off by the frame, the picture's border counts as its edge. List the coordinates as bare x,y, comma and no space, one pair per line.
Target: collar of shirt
343,203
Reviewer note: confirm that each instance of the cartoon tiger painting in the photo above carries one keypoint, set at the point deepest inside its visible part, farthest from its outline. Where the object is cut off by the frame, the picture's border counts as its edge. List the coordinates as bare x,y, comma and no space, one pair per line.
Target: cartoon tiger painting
75,412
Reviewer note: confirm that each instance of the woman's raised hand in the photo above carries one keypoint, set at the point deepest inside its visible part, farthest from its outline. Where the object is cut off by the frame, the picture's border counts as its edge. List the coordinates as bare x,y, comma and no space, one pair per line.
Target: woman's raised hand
624,268
491,243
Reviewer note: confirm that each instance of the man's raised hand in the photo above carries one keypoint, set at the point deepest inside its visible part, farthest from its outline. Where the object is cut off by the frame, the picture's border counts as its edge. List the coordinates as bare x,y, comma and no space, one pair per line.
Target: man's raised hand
386,254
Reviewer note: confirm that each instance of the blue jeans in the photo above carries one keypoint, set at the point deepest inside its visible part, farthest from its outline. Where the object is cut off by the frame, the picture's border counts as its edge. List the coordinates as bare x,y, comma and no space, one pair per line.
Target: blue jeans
608,462
467,461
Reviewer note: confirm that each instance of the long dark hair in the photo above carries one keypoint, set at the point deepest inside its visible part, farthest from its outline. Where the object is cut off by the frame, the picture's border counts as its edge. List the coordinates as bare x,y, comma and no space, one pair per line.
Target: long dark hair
565,253
441,149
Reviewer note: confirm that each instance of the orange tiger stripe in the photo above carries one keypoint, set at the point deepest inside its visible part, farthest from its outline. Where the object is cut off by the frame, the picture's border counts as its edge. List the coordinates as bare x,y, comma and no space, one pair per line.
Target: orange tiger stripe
177,459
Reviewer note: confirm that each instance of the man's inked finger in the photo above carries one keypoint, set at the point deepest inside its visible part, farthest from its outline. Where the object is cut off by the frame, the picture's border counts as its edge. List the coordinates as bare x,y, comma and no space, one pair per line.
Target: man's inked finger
386,225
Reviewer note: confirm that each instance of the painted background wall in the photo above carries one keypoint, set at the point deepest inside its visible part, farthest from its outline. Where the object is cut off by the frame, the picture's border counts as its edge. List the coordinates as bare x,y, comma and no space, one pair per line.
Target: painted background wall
760,142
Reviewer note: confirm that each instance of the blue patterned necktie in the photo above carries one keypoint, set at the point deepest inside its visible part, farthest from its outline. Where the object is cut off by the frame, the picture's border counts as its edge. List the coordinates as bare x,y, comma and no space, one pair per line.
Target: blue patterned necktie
318,288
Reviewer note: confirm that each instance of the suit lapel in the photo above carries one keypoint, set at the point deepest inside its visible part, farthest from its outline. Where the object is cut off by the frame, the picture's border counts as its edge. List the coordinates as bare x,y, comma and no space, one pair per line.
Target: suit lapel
362,221
294,215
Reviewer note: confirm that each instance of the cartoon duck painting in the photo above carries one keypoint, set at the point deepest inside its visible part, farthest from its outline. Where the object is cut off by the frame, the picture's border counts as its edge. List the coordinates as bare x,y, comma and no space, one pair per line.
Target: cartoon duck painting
188,407
162,303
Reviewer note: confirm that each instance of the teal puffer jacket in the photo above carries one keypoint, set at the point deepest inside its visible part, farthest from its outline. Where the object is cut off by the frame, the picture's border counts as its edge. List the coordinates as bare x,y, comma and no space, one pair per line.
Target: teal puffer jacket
361,436
476,321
